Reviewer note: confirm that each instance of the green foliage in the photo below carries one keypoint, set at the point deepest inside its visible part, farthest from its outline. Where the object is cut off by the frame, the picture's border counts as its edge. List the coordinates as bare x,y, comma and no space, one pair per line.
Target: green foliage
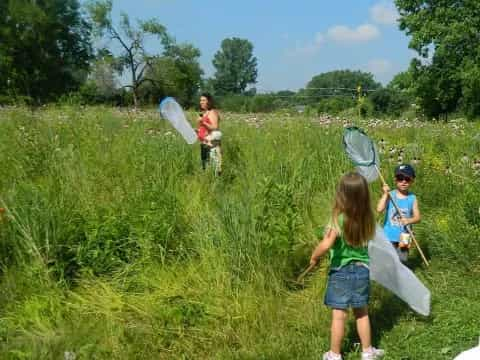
448,30
390,101
235,66
133,57
335,105
257,103
100,238
116,245
236,103
338,83
365,107
401,82
45,48
470,79
177,73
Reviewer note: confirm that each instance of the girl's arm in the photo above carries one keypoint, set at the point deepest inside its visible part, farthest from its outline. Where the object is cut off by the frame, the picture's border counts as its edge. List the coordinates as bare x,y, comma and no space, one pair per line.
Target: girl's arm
324,245
382,203
416,215
213,116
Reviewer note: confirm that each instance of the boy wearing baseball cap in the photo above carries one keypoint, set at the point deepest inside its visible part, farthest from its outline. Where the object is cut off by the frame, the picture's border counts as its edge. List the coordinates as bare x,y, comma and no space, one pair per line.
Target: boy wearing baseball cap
395,226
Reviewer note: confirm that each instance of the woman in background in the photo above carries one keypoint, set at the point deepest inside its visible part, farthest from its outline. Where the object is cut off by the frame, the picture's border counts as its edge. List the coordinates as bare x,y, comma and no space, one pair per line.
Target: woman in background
208,133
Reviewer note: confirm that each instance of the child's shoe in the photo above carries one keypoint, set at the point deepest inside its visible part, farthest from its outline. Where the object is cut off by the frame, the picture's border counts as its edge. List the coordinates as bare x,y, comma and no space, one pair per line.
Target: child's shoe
331,356
372,354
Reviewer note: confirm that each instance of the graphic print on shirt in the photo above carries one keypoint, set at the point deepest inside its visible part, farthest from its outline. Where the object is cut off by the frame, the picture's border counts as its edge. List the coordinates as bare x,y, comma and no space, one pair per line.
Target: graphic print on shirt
395,216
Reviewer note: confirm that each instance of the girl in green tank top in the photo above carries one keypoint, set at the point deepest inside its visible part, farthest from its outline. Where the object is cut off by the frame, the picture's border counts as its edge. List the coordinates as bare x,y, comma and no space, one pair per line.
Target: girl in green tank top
341,253
346,238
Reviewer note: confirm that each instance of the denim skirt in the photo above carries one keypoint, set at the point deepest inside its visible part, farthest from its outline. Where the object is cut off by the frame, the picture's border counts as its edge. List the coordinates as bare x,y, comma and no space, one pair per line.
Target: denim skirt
348,286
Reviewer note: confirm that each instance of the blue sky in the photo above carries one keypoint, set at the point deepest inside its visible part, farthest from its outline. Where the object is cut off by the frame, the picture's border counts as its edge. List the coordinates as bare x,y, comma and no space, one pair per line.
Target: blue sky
293,40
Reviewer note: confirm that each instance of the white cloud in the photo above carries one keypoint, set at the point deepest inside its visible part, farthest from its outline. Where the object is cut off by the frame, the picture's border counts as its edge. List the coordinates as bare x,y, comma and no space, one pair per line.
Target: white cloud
362,33
309,49
319,39
384,13
339,33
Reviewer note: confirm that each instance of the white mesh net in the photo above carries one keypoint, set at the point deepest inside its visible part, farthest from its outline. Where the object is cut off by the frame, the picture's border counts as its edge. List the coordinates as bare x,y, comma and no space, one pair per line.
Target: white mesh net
387,270
359,147
362,151
172,111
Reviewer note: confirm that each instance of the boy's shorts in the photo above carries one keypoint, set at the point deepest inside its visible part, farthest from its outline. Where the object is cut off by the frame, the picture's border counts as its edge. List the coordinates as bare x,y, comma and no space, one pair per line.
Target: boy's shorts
348,286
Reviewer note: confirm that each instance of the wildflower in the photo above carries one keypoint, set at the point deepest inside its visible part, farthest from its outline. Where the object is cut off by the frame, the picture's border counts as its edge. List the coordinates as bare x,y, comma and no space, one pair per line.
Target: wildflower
69,355
415,161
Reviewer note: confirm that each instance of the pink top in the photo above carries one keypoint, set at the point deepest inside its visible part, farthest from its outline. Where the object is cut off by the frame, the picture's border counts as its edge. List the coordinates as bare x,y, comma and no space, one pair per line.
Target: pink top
202,129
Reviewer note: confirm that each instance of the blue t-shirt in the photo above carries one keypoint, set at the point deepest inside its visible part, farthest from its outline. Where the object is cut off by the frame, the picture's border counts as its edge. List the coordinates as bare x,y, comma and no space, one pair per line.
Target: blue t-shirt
392,226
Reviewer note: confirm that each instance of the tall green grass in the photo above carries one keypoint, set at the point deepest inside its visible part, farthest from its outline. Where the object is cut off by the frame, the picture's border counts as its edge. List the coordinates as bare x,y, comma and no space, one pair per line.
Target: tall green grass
116,245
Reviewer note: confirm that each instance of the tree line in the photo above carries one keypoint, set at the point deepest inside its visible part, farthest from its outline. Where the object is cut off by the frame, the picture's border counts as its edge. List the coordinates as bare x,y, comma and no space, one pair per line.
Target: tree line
49,52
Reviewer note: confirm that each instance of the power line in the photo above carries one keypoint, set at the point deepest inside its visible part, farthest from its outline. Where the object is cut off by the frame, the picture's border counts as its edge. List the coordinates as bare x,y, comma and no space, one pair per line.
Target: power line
339,88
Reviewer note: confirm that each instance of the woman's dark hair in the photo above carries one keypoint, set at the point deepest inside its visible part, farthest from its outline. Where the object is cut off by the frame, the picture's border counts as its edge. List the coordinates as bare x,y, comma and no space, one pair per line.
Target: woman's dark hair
211,102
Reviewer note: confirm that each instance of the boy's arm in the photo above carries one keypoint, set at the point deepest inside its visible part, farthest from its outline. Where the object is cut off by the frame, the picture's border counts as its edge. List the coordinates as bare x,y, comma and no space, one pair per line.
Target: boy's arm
324,245
382,203
416,215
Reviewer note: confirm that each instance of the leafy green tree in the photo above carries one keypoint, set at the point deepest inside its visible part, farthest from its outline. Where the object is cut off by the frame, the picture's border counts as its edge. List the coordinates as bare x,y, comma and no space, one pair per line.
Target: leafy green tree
44,49
133,58
102,83
338,83
176,73
235,65
335,105
445,34
437,87
402,81
390,101
470,79
208,85
104,77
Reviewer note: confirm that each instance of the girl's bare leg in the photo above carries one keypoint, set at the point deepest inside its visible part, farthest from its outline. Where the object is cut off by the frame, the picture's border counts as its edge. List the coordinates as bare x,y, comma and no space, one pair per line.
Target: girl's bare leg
363,327
339,317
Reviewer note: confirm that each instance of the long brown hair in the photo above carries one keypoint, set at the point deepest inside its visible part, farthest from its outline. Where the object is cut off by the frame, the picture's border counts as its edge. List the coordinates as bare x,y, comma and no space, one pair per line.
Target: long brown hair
210,100
353,200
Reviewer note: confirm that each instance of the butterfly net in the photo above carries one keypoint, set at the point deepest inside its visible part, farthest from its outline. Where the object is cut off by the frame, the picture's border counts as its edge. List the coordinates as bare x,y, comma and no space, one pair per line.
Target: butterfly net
173,112
362,151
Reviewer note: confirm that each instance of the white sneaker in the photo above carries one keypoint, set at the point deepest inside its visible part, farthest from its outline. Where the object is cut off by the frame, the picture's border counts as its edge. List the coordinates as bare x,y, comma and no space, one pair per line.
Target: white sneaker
331,356
373,354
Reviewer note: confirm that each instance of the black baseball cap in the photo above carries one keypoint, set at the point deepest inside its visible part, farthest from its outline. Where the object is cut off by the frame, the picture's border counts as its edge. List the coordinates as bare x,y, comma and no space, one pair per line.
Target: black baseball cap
405,169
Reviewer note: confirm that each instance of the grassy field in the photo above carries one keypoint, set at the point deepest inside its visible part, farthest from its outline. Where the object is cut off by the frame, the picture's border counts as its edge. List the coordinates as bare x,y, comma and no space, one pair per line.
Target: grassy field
116,245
